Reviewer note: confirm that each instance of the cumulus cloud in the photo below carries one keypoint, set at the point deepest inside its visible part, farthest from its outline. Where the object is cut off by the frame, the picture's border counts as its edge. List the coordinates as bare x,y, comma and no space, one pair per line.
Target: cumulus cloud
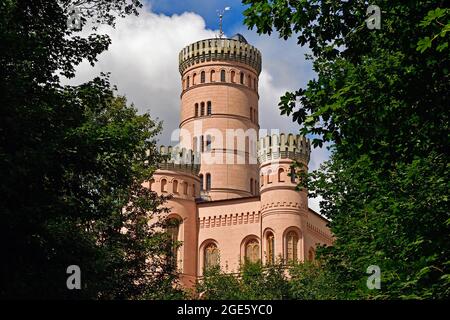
143,62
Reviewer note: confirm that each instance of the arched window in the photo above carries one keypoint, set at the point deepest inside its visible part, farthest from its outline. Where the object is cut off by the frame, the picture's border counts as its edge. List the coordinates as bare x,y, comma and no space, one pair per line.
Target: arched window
292,174
194,76
251,114
212,76
195,144
311,254
202,109
196,109
175,186
201,182
193,190
173,230
280,175
261,179
254,83
211,256
249,82
269,178
202,144
187,83
150,184
252,250
203,77
208,108
291,246
222,76
251,185
185,188
208,143
208,181
242,77
233,74
163,185
270,245
256,187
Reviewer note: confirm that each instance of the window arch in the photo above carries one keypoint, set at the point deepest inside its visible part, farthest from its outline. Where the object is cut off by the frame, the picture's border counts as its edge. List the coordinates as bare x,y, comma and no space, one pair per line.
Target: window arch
201,182
185,188
252,250
202,144
175,186
222,75
242,77
270,247
187,83
212,76
163,185
291,246
280,175
233,75
194,76
208,181
196,109
269,173
202,77
208,108
150,184
210,256
202,108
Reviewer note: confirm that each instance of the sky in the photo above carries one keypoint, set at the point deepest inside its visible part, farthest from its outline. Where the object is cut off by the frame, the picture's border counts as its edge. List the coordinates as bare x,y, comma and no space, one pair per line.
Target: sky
143,62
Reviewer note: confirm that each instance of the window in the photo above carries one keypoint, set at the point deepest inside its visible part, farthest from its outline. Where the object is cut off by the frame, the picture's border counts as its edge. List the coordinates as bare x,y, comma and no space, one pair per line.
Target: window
208,143
202,109
163,185
249,82
270,244
242,77
251,185
251,114
194,76
222,76
311,254
281,175
202,144
193,190
256,187
208,181
269,179
254,83
175,186
208,108
233,74
202,77
201,182
262,180
212,76
196,109
187,83
293,175
173,230
150,184
211,256
185,188
291,246
252,251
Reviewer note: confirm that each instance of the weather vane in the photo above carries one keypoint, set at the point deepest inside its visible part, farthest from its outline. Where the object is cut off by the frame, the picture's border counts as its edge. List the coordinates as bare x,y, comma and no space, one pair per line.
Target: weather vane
220,14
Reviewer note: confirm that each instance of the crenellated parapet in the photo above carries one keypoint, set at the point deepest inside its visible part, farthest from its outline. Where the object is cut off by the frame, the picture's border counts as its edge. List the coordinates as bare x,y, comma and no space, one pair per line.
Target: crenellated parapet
180,159
234,50
282,146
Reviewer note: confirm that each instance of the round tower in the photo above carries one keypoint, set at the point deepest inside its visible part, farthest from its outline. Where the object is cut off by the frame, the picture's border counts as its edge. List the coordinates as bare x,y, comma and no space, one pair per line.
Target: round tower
283,207
178,176
219,113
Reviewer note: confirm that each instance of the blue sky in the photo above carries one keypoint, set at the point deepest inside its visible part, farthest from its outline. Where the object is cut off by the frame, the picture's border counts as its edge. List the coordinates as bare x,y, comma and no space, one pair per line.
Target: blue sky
233,19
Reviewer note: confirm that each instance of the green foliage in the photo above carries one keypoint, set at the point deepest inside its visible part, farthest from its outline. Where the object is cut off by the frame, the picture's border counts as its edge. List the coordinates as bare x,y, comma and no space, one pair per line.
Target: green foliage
73,160
381,99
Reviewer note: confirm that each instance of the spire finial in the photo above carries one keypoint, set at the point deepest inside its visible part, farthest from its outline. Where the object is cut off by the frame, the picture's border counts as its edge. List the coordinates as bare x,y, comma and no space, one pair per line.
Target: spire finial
220,14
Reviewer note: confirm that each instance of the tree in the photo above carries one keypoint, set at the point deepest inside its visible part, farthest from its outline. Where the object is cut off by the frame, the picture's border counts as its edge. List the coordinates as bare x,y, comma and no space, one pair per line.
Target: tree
73,161
381,99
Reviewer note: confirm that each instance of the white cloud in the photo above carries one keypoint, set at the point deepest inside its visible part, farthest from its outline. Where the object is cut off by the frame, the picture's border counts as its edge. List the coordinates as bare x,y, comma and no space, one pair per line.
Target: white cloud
143,62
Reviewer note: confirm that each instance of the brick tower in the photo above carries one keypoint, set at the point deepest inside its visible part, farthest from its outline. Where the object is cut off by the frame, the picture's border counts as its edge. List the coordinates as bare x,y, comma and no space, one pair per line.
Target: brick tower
219,114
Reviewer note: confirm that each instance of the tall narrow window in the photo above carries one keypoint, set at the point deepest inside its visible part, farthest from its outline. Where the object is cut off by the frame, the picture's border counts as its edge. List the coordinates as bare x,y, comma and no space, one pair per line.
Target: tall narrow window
212,76
196,109
252,251
185,188
281,175
293,175
163,185
251,185
222,75
202,77
254,83
202,144
193,190
202,109
256,187
194,78
201,182
208,108
269,178
211,256
251,114
173,229
242,77
249,81
175,186
311,254
233,74
208,143
261,179
208,181
187,83
291,246
270,244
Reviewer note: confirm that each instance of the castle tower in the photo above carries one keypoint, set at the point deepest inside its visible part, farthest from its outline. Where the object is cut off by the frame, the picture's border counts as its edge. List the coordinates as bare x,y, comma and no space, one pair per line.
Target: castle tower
219,114
178,176
284,210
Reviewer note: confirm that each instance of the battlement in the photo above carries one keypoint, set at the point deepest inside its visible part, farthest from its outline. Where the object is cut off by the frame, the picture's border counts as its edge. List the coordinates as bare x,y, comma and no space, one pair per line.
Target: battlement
219,49
180,159
282,146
